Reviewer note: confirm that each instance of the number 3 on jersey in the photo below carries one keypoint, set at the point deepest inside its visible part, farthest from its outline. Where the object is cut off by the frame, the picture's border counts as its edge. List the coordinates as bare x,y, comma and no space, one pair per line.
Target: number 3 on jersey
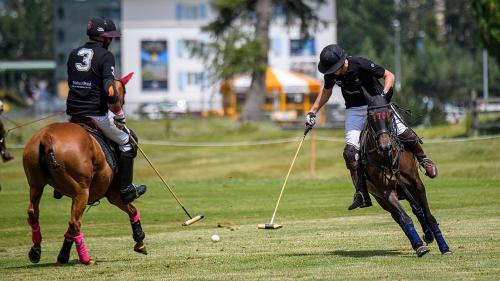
87,55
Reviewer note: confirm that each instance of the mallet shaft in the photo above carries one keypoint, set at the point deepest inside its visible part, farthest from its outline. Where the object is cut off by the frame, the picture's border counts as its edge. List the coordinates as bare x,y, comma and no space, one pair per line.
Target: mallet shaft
160,176
286,179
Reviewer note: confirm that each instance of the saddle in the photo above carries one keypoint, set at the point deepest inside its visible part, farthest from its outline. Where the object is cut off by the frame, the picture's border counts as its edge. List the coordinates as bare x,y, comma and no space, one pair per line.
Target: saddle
109,148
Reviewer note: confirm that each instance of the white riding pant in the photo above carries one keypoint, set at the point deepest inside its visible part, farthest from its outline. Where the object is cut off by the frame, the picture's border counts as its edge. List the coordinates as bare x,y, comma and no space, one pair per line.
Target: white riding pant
108,127
355,121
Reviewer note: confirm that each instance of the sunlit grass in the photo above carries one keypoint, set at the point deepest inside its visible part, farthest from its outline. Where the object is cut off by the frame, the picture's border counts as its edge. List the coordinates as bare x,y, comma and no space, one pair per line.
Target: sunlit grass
237,188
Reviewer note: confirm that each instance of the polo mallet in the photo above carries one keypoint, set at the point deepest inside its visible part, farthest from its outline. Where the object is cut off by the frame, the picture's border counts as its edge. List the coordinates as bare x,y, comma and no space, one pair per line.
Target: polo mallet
17,125
191,219
271,224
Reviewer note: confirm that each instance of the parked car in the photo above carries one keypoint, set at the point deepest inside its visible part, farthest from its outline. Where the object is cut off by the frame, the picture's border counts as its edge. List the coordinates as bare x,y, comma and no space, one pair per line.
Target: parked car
163,110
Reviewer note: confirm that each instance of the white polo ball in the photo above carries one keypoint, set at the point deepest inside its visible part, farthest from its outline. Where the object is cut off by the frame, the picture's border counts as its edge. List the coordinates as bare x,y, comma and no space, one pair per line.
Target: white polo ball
215,238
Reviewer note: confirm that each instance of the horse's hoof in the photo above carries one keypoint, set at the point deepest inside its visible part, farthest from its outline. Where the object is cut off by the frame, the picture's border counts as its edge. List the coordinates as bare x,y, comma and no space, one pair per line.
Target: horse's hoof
35,253
91,262
422,250
140,248
447,253
428,240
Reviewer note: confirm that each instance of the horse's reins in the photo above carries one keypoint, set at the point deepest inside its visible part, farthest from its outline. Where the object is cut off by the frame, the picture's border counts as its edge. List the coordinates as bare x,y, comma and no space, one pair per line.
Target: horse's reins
394,165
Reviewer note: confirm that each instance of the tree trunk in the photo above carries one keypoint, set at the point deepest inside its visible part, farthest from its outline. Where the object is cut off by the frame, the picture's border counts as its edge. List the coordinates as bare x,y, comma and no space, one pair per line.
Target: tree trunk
252,110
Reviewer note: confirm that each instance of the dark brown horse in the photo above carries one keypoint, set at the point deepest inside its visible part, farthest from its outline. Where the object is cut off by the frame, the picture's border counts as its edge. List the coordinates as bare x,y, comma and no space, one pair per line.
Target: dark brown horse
67,157
392,174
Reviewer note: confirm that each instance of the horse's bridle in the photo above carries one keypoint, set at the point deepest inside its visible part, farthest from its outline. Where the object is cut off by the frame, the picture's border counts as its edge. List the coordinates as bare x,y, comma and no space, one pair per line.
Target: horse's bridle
373,134
390,129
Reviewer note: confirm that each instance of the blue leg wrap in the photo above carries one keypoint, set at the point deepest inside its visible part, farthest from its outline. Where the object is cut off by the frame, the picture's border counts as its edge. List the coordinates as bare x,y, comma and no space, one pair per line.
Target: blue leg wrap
425,226
412,235
443,247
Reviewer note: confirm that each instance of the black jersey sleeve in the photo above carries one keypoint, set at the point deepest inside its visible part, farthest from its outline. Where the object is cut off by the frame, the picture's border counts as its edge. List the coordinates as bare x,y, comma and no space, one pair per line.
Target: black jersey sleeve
367,65
108,76
329,81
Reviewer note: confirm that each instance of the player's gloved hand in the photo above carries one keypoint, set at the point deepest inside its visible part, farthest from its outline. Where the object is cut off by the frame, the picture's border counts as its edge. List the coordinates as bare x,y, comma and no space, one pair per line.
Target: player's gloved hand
310,119
119,121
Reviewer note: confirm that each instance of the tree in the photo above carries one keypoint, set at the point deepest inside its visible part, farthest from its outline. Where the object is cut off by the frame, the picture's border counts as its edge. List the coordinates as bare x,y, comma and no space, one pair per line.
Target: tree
236,43
26,30
487,13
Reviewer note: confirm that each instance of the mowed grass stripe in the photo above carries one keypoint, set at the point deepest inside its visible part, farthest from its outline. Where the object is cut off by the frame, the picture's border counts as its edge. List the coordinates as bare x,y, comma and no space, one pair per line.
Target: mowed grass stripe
237,188
320,240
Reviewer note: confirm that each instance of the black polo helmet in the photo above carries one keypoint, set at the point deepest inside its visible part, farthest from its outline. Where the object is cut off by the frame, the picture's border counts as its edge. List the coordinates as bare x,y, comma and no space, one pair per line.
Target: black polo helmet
102,27
332,57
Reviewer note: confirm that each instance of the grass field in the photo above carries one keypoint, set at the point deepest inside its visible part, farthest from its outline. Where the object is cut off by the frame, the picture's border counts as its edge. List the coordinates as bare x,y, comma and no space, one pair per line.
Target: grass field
237,188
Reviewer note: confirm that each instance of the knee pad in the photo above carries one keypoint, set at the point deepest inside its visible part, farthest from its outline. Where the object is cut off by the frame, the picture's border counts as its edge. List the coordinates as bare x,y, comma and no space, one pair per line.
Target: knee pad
351,157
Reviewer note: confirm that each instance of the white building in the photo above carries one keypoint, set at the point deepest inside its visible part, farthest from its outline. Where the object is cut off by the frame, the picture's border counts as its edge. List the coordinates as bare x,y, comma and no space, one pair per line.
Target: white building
153,46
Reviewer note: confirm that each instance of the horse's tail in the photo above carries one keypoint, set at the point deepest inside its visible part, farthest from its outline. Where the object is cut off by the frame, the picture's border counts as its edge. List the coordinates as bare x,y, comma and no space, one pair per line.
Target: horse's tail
46,153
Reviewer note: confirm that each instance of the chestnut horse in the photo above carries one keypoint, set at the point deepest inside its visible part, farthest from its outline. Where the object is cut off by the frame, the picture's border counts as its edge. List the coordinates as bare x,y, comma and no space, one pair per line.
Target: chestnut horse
392,174
66,157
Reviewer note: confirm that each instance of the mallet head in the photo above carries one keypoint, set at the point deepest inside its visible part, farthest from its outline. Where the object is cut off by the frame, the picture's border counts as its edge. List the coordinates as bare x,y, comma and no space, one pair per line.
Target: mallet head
193,220
270,226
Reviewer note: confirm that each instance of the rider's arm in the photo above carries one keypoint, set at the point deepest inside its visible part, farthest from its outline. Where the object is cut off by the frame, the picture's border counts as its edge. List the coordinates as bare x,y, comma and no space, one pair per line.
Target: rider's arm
378,72
325,94
114,103
321,99
388,81
108,69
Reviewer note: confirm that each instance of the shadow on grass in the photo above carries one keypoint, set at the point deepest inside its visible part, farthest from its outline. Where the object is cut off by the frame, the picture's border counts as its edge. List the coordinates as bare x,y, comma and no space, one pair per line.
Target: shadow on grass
44,265
353,254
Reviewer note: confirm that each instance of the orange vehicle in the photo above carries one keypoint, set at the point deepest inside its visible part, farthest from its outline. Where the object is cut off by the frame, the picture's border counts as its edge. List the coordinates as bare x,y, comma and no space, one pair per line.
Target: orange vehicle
288,95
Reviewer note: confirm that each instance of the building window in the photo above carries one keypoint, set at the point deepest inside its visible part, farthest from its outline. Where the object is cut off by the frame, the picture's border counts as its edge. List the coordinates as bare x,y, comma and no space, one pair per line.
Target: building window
302,47
191,80
60,35
154,63
194,78
277,12
190,12
186,47
60,13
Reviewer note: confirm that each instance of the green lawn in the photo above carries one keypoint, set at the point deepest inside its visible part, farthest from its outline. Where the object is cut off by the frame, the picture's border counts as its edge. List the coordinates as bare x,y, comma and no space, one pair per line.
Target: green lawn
237,188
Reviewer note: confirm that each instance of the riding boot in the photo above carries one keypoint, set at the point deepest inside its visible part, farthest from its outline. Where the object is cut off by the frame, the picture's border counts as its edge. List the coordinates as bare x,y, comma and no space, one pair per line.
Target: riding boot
361,197
413,144
129,191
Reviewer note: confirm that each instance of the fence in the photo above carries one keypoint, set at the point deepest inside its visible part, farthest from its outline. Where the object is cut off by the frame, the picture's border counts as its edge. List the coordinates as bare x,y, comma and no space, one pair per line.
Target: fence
484,107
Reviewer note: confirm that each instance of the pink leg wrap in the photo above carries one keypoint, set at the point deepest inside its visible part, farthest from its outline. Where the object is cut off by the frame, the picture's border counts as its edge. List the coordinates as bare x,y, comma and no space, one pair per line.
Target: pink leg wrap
81,249
36,234
136,218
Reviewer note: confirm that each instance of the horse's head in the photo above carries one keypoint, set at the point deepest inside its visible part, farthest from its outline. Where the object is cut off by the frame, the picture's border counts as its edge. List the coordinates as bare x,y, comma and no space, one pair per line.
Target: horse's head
120,86
380,120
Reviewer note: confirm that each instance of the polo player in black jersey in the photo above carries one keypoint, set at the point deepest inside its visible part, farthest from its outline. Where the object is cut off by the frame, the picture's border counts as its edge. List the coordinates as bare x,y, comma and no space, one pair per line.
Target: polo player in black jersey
6,156
353,75
92,94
